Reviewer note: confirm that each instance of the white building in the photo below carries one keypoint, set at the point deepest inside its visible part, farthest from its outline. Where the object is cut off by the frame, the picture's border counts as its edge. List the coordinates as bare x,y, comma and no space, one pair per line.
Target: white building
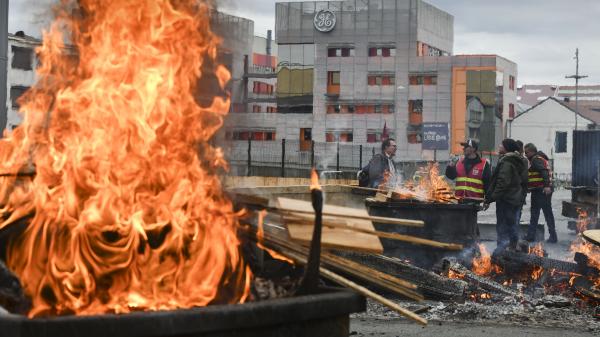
21,73
549,125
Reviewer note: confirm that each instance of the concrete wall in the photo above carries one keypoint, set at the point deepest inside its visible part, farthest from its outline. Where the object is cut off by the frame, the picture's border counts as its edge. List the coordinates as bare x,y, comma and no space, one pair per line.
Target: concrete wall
539,126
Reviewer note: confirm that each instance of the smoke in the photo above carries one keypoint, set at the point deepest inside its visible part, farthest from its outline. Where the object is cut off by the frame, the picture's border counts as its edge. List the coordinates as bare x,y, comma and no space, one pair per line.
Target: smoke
30,16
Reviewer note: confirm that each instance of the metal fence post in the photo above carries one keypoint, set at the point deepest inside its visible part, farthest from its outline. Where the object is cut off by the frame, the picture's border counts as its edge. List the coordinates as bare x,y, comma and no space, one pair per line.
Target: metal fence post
337,159
249,173
360,157
312,153
283,157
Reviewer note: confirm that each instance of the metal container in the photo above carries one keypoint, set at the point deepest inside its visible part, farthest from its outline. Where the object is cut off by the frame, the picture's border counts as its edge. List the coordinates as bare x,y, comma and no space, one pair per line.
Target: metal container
324,314
586,154
451,223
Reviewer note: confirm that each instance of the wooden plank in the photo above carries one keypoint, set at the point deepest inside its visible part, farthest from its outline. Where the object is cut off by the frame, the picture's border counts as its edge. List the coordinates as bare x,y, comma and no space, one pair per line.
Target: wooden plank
334,237
342,212
592,236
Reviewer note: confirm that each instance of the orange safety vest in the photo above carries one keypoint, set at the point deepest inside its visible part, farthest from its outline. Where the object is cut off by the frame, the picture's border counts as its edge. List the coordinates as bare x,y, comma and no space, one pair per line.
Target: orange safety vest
535,179
469,185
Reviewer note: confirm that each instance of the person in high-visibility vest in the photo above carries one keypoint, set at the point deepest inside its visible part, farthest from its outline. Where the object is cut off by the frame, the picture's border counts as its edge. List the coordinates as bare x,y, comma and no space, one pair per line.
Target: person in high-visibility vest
539,185
471,173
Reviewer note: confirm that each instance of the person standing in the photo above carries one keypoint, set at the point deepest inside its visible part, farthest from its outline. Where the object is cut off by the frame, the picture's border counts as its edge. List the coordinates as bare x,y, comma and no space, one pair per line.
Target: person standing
506,190
524,178
381,168
540,186
472,174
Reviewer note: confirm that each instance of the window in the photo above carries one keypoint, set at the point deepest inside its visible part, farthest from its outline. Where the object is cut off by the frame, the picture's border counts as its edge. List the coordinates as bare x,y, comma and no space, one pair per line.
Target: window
374,136
340,52
414,137
511,82
511,110
15,93
560,142
262,88
306,134
271,109
422,79
424,49
333,78
415,111
338,136
333,109
333,82
254,135
382,51
374,109
381,80
22,58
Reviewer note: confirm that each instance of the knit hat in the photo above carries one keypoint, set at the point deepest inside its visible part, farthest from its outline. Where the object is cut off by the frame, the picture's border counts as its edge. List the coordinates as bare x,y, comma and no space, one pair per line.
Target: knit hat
510,145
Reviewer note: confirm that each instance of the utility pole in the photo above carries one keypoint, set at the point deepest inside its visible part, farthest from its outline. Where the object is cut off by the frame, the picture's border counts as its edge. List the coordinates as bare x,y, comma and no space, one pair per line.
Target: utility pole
577,77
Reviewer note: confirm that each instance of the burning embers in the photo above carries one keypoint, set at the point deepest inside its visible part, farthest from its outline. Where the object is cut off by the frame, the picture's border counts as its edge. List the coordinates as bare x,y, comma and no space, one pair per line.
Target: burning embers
528,273
124,213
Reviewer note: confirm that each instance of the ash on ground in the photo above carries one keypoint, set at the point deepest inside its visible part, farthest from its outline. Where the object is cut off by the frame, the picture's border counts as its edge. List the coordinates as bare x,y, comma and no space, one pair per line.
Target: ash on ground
548,311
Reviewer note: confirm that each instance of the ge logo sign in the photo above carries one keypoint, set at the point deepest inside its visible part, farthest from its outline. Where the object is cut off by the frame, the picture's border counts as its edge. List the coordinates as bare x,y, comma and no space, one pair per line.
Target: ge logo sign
324,21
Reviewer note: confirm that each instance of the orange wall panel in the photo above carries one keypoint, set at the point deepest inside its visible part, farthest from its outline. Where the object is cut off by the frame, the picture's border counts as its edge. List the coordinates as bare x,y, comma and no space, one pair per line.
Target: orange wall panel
459,106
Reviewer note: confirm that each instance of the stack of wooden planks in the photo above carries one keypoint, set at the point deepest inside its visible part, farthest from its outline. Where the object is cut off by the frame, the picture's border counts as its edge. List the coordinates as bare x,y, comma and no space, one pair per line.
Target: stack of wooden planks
344,229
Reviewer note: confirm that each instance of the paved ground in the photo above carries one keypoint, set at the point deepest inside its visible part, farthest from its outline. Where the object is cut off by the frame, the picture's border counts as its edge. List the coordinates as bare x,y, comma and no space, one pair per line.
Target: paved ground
374,326
401,327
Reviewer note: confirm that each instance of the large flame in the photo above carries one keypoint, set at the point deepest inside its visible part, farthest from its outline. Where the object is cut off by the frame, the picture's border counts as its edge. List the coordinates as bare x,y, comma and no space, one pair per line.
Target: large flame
427,185
125,214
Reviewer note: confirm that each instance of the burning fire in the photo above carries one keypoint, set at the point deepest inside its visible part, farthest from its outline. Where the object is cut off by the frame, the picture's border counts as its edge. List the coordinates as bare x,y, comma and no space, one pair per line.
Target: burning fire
579,245
482,265
429,186
125,214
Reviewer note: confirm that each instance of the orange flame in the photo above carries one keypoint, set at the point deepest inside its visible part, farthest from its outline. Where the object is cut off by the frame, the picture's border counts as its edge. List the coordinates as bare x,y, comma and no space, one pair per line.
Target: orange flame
126,214
429,186
260,235
314,180
482,265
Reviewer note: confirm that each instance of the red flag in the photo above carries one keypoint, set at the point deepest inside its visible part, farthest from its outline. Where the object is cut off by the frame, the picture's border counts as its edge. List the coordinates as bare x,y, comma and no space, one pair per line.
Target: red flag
384,134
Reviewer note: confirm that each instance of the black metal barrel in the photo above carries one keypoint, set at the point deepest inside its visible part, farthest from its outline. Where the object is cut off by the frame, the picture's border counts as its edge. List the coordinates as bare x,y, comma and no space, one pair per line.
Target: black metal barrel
451,223
324,314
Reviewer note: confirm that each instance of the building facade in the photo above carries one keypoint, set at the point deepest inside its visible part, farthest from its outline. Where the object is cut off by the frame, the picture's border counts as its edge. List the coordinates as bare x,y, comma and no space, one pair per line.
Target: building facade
549,125
22,62
346,69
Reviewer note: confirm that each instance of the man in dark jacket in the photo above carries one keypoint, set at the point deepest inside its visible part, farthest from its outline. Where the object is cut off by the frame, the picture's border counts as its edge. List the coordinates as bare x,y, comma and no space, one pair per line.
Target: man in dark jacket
381,167
540,186
506,190
524,177
472,174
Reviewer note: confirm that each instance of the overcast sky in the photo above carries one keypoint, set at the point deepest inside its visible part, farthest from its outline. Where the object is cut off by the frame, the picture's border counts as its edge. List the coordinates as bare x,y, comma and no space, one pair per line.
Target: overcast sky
539,35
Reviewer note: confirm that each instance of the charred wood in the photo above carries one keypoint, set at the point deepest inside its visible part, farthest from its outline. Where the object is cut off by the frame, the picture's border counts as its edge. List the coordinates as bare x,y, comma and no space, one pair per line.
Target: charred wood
12,297
475,281
515,263
431,285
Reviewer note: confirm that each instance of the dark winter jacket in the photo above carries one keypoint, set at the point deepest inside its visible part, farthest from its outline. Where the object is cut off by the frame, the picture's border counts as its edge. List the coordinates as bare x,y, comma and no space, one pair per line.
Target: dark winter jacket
507,180
377,166
525,177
